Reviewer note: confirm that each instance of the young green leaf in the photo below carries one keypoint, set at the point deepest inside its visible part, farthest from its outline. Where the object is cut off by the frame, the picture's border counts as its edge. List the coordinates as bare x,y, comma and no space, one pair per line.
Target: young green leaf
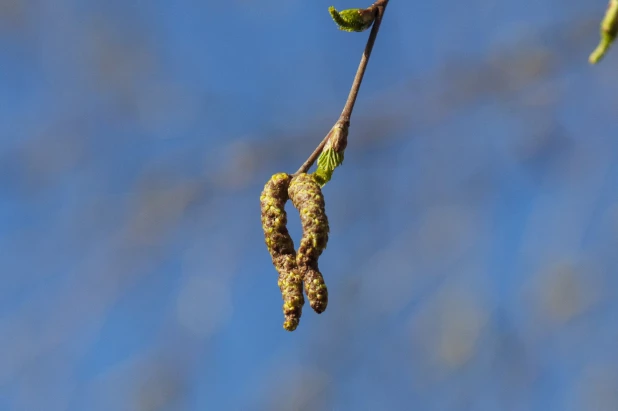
332,154
352,19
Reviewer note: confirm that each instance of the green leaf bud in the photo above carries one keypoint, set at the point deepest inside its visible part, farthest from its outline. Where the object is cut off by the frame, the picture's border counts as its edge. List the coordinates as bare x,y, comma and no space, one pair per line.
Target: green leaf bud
333,153
352,19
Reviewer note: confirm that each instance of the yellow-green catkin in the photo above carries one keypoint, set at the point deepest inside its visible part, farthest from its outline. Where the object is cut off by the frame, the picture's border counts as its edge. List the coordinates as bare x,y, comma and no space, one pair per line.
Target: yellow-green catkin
306,195
609,31
281,247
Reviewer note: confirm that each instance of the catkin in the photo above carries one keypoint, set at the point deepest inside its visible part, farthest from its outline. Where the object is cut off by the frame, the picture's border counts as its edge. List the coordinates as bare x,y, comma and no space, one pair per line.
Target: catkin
281,247
307,197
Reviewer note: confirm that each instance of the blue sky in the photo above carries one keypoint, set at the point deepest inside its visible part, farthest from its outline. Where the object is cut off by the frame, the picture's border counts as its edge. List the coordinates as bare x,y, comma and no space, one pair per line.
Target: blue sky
474,223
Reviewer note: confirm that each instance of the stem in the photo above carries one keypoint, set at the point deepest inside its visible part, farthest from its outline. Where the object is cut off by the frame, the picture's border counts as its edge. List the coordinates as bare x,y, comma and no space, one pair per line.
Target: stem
344,119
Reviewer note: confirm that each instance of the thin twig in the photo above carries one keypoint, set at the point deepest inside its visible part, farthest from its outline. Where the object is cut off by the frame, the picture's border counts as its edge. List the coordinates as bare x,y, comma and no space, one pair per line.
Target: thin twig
344,119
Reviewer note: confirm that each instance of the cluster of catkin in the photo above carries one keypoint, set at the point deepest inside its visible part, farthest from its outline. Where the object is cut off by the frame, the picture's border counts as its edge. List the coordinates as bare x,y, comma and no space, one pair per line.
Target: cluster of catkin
296,268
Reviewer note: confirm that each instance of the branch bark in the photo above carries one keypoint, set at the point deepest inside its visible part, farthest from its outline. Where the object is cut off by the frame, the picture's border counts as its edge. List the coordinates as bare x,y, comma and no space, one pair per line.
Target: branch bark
344,119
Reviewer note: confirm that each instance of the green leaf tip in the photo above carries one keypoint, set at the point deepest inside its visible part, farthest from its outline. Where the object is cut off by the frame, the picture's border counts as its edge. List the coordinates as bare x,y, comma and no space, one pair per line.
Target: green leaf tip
352,19
327,162
332,155
609,31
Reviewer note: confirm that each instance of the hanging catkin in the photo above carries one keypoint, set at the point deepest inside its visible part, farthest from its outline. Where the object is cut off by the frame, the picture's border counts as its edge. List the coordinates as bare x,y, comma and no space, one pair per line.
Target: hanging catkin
281,247
306,195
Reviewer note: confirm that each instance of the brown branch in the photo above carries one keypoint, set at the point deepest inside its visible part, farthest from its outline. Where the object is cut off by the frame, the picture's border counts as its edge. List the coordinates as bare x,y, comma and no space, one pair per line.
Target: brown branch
344,119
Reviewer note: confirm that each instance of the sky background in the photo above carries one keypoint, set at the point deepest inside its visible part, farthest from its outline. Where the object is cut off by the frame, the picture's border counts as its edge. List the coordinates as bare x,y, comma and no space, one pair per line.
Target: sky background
474,224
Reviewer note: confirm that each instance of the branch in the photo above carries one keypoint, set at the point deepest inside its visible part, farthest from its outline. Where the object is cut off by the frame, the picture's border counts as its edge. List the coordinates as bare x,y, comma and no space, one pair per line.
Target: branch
344,119
299,269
